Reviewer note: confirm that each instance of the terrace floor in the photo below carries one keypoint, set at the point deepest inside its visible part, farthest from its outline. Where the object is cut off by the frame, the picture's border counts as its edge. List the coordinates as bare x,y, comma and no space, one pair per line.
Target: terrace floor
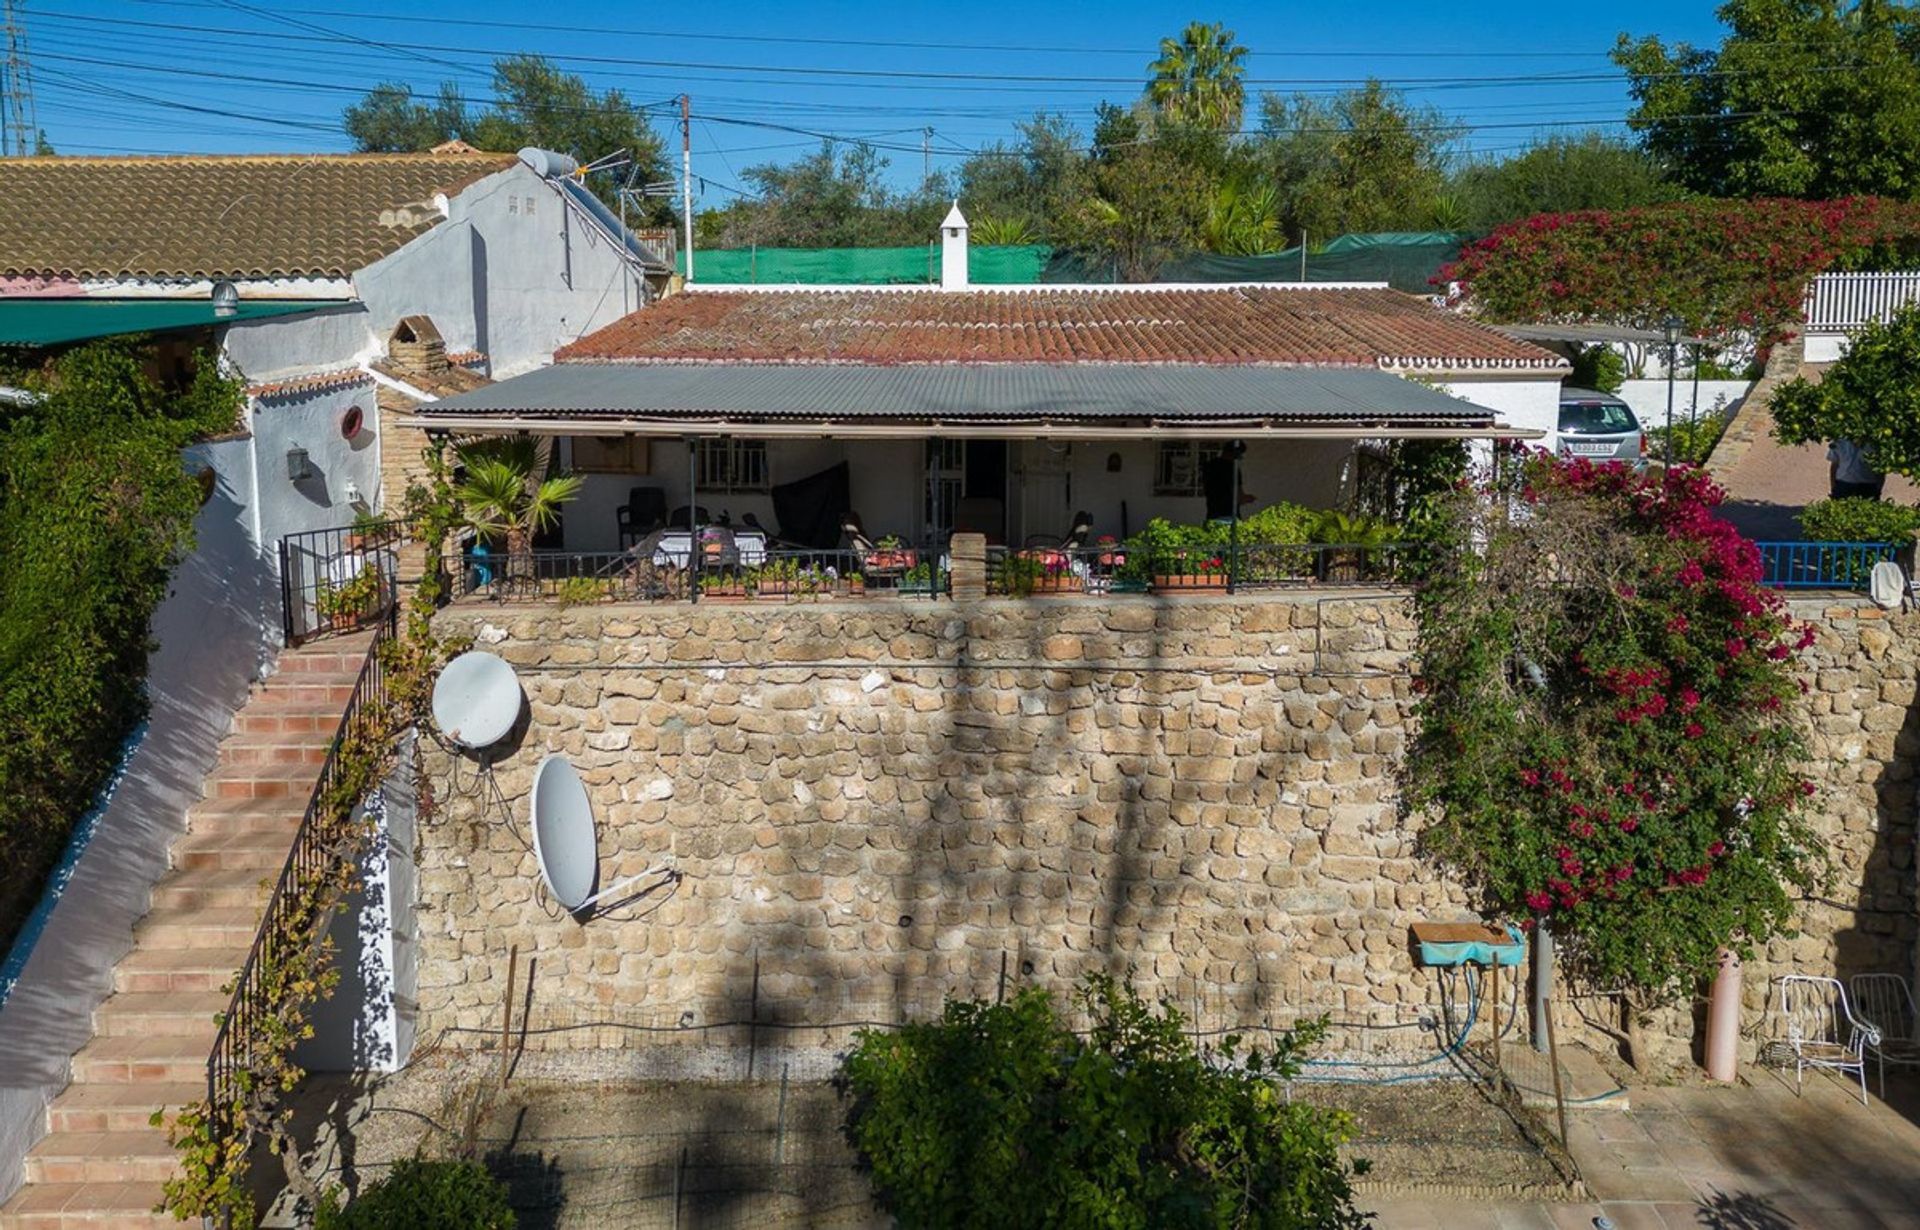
1746,1157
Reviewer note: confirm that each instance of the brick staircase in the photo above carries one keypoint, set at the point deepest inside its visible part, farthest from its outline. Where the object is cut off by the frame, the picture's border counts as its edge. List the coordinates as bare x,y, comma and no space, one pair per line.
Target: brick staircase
101,1164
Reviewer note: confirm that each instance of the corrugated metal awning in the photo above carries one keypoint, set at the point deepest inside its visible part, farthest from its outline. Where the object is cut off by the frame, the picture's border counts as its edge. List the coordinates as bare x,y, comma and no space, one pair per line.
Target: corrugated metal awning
1011,398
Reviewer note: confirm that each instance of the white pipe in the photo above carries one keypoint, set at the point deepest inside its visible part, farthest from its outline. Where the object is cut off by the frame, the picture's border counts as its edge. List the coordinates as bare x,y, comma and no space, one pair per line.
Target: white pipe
1723,1020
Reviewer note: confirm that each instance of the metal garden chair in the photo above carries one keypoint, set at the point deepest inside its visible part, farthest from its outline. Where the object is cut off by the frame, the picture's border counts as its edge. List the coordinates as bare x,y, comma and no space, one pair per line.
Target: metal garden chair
1821,1030
1885,1002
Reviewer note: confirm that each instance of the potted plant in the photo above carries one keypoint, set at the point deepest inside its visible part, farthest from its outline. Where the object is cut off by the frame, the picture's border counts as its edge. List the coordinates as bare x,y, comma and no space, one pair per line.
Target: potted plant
919,579
367,526
856,584
349,603
1191,572
778,578
1346,544
723,587
890,554
1057,575
1017,576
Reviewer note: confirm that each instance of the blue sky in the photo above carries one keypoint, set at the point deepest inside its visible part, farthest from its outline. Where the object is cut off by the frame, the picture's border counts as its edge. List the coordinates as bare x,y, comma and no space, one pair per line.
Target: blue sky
263,75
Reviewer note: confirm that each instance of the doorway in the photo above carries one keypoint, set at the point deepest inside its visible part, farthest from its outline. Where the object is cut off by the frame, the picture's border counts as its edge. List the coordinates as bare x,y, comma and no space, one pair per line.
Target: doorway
966,488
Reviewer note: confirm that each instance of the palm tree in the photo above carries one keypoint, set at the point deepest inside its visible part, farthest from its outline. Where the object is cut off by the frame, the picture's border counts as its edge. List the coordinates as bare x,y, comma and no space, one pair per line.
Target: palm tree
1243,219
1196,80
505,497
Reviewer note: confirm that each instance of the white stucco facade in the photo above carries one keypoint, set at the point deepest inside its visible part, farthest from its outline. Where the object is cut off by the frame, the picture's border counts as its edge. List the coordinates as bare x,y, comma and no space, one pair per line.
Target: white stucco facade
513,271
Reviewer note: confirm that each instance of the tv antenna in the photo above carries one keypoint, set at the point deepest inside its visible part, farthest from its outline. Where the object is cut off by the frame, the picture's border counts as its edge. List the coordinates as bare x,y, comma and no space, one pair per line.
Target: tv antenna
19,127
567,847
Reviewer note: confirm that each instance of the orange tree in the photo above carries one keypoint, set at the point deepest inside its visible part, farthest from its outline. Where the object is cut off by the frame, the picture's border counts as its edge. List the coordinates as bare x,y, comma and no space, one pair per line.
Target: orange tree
1605,744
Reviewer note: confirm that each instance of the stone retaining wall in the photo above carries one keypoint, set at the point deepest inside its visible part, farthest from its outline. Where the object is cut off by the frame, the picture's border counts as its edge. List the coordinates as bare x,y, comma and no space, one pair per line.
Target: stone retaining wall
878,804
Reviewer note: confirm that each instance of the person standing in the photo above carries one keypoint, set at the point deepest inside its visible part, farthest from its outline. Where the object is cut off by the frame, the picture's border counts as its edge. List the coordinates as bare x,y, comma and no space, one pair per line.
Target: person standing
1850,472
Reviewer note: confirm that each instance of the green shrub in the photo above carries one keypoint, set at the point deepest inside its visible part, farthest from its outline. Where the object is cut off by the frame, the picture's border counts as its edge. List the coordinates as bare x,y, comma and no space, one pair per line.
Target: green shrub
95,508
1692,441
1859,519
999,1115
424,1195
1598,367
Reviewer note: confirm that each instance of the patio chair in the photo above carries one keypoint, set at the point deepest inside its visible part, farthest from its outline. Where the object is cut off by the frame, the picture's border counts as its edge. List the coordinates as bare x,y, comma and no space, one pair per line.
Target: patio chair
644,512
1885,1003
1076,536
1821,1030
874,560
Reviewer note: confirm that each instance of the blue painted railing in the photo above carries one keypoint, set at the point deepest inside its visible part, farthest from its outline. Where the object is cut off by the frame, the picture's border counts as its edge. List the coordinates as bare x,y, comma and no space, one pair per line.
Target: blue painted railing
1822,565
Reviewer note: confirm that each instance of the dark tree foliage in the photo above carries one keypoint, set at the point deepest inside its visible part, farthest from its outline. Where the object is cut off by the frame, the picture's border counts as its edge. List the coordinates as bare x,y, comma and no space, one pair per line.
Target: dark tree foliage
836,197
999,1115
419,1194
95,507
1560,175
1816,99
533,103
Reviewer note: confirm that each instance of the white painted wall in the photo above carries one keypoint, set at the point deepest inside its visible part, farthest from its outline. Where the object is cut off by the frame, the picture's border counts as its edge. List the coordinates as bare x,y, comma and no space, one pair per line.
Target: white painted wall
513,271
312,421
368,1023
1826,347
1649,399
1532,401
213,631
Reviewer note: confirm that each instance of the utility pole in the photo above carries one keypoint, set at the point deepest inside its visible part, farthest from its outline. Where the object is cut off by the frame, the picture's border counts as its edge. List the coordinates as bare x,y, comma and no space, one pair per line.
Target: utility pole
686,177
926,153
19,128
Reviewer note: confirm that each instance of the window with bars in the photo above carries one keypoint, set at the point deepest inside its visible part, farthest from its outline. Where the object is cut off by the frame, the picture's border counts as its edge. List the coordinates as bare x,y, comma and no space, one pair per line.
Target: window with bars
1179,464
728,465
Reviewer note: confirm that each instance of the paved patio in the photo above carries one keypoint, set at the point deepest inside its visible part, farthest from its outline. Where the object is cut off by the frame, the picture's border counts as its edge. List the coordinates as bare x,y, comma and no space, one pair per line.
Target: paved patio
1747,1157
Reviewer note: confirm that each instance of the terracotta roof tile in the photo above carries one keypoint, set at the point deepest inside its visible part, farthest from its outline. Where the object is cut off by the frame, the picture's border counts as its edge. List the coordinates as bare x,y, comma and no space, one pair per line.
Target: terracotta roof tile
1227,325
256,216
461,375
310,382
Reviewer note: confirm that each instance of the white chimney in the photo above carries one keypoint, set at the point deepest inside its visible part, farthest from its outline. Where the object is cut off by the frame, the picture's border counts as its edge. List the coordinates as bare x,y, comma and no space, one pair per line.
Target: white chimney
953,250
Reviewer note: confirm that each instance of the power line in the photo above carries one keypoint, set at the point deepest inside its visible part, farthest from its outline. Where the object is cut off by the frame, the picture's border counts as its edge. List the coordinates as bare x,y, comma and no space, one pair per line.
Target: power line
801,40
897,75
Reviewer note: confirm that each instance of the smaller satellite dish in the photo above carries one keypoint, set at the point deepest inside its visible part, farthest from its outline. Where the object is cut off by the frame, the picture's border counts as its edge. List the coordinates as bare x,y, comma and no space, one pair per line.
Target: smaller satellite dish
476,700
563,839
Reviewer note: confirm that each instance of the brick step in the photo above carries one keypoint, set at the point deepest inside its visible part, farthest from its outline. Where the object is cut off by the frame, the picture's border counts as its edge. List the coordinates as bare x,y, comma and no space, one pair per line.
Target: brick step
178,969
177,1014
324,659
204,889
142,1061
141,1156
246,815
85,1206
263,850
261,781
119,1108
273,749
232,927
270,716
331,689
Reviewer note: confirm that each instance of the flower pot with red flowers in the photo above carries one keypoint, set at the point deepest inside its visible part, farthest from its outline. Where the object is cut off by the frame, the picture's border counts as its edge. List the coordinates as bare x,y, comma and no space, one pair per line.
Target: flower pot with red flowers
1192,573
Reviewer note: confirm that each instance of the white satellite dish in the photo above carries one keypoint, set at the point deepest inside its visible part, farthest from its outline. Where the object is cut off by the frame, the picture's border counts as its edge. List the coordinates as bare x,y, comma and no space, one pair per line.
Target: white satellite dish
564,842
476,699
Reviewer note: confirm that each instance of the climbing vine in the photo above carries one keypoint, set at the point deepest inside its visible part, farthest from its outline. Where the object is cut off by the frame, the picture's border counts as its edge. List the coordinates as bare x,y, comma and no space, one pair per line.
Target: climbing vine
1605,744
294,966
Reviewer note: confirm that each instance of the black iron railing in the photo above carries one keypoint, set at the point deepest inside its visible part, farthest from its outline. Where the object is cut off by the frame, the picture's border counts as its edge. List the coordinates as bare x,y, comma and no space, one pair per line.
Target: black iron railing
337,580
1117,568
295,916
719,570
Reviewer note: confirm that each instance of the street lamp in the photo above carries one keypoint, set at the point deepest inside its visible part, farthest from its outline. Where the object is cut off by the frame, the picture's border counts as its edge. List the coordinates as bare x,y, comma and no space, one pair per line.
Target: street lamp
1670,329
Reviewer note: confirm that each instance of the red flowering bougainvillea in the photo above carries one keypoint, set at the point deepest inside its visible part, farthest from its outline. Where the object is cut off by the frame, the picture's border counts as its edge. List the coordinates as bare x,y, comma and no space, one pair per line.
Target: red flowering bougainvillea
1733,269
1604,736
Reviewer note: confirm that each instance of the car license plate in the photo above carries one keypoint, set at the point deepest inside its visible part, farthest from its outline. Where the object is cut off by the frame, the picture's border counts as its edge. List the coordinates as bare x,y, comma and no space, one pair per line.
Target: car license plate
1591,450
